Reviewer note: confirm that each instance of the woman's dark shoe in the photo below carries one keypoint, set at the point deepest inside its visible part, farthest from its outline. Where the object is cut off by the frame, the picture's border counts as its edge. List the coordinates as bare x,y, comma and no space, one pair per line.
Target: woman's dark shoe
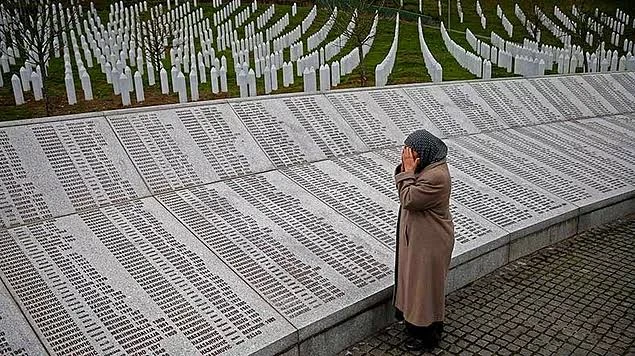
415,344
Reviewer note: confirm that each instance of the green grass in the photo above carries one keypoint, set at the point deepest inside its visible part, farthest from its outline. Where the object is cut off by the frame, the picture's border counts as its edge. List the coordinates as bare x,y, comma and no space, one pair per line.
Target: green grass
409,66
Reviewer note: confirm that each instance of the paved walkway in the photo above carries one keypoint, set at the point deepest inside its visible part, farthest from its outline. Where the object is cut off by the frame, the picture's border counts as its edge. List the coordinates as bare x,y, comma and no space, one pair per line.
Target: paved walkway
574,298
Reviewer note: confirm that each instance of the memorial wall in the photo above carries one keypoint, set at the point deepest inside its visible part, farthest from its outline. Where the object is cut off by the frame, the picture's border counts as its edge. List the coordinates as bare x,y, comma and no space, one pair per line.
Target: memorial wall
248,226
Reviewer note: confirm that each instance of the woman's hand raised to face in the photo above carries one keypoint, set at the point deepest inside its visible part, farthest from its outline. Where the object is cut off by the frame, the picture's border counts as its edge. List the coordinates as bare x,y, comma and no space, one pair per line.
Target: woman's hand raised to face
409,160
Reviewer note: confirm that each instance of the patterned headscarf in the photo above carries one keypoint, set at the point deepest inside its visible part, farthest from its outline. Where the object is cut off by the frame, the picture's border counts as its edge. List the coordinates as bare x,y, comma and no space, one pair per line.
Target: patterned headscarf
429,147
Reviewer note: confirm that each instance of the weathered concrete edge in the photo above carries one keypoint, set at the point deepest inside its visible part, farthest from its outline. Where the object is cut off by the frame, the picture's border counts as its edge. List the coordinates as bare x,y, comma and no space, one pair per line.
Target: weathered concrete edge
377,313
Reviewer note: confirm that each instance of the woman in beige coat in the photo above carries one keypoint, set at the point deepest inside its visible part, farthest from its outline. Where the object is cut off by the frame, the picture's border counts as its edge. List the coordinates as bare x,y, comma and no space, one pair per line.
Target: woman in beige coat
425,239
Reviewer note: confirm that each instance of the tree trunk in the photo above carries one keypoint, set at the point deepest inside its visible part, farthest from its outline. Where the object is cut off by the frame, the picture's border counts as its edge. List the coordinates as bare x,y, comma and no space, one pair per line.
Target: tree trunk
362,67
47,104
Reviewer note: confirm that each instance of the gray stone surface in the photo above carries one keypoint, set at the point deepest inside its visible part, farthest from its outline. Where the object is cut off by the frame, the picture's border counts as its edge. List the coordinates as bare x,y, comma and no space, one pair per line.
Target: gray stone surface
58,168
191,146
16,335
561,98
613,90
511,203
131,272
301,256
350,194
517,102
382,118
298,129
438,107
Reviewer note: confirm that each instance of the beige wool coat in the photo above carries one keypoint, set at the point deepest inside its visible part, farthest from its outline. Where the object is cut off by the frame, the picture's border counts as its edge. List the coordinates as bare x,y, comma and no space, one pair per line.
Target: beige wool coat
424,243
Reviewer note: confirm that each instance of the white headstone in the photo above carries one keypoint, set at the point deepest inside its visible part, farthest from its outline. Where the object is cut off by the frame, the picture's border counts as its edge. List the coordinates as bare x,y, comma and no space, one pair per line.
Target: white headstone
70,89
335,70
309,76
25,78
125,91
138,87
251,83
4,62
181,88
17,90
175,72
267,75
86,86
213,77
223,78
194,85
274,78
163,76
325,78
202,72
36,81
130,85
115,80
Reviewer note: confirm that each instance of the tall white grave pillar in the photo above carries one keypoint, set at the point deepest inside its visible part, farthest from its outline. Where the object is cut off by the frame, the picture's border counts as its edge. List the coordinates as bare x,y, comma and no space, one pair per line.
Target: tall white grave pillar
181,88
213,74
274,78
86,86
70,89
163,76
194,85
17,90
251,83
138,87
36,79
223,78
125,92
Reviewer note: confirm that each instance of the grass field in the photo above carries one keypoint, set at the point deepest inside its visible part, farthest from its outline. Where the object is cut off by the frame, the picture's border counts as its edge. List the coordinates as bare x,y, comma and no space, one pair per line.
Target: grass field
409,66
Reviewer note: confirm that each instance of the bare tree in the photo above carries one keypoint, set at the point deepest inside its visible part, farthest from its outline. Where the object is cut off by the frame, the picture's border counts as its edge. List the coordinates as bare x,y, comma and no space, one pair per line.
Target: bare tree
153,33
36,30
360,15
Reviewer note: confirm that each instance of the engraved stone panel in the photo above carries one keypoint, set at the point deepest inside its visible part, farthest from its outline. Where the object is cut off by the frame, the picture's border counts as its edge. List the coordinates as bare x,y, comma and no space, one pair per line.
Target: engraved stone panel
516,102
625,124
576,147
179,148
305,259
439,108
382,118
526,166
474,107
298,129
57,168
587,94
604,136
626,80
16,336
612,91
504,199
594,177
561,98
350,195
129,279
